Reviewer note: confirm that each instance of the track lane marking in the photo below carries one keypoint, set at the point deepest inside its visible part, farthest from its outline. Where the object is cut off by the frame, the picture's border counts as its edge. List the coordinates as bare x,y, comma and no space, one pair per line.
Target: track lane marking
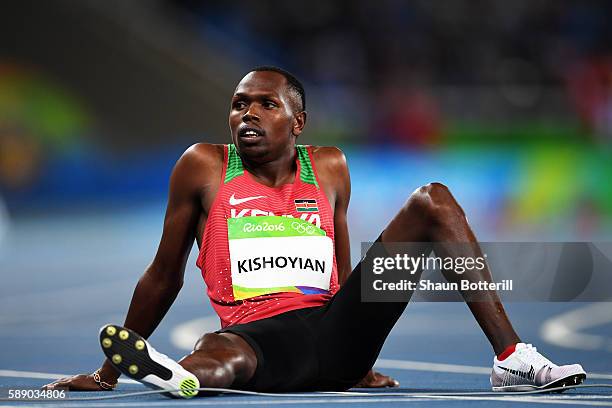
564,330
453,368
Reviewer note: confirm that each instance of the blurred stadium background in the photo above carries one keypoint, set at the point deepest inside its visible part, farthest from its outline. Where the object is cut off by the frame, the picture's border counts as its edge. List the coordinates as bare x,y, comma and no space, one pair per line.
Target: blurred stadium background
508,103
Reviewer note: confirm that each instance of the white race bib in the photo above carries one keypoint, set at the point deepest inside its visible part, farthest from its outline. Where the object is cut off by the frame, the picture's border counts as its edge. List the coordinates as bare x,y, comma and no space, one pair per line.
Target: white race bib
272,254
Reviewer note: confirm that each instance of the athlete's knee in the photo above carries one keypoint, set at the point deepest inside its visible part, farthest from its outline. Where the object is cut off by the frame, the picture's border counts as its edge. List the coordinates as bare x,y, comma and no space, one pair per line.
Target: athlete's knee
437,201
436,193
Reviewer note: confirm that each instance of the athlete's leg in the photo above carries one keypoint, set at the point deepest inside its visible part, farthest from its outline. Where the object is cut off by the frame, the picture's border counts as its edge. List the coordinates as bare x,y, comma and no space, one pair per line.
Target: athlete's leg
221,361
432,214
352,332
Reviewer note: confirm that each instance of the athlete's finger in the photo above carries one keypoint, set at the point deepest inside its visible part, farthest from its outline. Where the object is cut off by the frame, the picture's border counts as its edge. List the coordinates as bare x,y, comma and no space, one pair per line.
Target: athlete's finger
385,380
52,384
392,382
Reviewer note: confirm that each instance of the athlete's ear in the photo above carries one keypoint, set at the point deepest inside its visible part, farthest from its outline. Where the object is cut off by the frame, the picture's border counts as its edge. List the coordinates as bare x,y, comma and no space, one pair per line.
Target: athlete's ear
299,121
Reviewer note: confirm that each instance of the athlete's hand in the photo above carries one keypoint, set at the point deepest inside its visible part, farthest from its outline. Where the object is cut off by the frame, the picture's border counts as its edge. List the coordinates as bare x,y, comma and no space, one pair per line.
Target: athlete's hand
375,379
81,382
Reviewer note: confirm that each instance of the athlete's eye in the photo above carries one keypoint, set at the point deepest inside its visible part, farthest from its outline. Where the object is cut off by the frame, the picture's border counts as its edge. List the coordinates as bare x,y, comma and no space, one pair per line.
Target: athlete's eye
269,104
239,105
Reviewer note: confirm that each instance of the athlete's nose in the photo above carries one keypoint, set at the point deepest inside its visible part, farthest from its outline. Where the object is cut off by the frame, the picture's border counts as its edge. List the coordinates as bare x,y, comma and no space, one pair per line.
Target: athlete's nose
251,114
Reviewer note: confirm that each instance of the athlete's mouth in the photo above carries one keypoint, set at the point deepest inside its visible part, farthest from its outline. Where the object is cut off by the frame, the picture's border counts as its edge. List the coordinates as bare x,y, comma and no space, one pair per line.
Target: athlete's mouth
250,132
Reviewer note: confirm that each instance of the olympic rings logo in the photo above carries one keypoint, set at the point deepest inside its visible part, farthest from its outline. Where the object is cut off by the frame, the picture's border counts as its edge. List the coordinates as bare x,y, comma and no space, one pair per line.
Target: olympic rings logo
301,229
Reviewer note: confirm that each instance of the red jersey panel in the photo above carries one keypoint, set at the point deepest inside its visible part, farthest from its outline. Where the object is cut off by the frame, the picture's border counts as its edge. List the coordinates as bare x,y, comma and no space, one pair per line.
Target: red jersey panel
283,260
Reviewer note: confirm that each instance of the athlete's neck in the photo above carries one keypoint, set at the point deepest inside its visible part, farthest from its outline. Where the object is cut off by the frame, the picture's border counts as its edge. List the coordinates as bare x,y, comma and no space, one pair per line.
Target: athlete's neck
275,172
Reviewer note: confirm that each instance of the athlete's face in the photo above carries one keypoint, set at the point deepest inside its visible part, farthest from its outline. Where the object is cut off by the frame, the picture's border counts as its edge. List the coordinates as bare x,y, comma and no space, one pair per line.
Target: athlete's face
264,118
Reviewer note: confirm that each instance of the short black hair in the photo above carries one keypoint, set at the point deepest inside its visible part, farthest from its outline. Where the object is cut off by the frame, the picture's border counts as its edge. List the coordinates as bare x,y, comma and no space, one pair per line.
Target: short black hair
293,83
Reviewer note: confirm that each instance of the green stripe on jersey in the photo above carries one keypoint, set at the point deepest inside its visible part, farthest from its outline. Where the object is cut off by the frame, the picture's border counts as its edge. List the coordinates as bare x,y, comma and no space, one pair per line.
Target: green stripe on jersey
270,226
234,164
235,168
306,173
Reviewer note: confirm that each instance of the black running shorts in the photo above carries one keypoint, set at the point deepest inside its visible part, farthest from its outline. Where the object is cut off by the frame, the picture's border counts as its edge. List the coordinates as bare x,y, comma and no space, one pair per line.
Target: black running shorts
324,348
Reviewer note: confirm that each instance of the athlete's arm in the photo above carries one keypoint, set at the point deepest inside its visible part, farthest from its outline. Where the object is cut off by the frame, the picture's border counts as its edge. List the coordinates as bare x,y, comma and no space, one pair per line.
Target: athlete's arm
163,278
334,176
343,196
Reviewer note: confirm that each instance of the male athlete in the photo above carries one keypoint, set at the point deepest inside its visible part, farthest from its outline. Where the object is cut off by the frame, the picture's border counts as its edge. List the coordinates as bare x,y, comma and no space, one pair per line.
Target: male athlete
269,217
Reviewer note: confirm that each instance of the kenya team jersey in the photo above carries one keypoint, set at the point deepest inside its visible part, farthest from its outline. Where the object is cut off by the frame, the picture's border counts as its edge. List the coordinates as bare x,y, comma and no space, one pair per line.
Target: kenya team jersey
268,250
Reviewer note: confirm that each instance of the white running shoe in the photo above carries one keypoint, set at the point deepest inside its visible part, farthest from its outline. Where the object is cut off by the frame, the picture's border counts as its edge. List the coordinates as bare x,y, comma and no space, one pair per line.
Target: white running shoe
528,370
131,354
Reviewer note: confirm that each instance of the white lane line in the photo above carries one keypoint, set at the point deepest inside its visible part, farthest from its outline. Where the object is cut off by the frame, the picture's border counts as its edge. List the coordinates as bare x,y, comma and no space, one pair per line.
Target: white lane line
533,400
48,376
381,363
565,329
433,367
453,368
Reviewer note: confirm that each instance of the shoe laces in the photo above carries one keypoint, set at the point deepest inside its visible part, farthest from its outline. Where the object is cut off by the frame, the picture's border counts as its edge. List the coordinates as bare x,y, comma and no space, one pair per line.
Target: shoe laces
530,355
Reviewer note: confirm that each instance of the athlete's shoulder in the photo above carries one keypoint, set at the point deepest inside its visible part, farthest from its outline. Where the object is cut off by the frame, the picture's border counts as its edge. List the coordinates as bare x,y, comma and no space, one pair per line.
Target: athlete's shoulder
201,157
203,154
200,164
329,156
332,170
